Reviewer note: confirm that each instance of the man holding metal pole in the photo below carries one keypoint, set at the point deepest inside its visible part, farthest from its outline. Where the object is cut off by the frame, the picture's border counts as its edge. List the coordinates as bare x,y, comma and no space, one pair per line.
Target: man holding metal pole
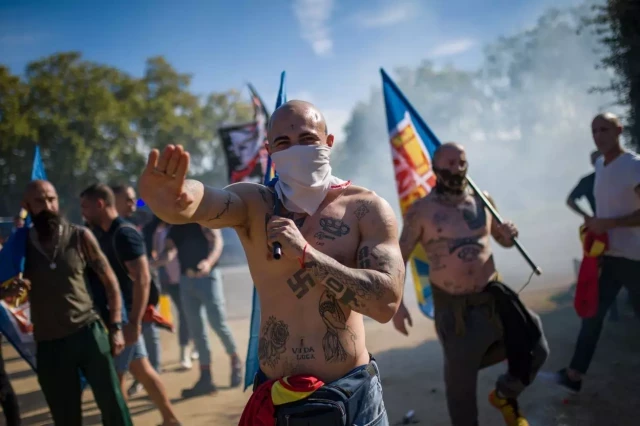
479,321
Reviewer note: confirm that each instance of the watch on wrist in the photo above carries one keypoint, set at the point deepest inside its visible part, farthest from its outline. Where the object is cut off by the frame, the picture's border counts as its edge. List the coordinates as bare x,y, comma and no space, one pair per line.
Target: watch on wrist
115,326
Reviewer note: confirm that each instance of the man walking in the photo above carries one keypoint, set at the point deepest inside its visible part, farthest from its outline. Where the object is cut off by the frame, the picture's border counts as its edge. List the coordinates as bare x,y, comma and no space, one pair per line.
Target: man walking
584,189
617,197
198,250
475,328
126,252
127,206
69,336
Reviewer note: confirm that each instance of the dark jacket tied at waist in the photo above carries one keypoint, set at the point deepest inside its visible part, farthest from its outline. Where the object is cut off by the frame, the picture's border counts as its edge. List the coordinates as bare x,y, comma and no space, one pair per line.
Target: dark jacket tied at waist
521,333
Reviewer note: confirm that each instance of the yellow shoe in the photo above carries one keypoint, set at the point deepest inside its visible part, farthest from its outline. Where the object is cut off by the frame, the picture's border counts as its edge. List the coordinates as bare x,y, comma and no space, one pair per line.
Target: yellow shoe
509,409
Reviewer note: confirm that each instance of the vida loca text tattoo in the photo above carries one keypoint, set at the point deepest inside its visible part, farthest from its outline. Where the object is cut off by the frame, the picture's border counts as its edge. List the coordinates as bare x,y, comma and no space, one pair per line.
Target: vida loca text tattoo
304,353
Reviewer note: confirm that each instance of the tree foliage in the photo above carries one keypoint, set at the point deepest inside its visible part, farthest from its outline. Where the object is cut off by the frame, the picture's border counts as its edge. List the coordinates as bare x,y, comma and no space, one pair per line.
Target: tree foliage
617,24
94,122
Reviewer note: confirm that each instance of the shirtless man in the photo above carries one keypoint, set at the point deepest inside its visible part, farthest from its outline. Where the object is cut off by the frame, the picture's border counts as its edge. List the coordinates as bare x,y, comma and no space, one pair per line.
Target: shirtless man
454,227
340,255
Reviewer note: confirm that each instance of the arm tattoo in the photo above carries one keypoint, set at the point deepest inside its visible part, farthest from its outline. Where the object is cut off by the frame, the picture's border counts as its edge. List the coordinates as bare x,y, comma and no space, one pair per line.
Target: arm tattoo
273,341
411,232
225,209
362,209
339,341
93,255
263,194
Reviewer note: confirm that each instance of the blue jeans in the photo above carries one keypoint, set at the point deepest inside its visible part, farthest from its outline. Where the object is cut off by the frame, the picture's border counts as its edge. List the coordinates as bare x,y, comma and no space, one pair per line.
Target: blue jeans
616,272
207,293
370,403
130,353
151,336
183,329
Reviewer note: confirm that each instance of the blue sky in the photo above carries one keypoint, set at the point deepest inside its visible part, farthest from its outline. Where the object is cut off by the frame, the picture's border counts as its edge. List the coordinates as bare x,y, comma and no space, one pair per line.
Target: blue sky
331,49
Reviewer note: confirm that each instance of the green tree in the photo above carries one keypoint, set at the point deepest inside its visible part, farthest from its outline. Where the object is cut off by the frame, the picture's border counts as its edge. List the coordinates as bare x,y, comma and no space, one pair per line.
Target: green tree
79,112
171,114
94,122
617,23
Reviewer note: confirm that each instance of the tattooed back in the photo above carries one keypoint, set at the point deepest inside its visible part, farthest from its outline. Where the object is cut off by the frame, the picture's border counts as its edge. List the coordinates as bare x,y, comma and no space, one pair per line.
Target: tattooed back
308,322
456,240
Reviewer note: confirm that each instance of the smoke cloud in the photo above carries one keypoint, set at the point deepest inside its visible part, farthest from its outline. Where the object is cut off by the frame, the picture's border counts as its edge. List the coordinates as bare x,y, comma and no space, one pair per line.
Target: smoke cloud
524,117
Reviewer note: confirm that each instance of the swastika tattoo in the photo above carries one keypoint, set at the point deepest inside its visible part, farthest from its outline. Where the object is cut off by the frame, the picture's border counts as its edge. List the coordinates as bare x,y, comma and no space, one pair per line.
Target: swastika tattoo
301,282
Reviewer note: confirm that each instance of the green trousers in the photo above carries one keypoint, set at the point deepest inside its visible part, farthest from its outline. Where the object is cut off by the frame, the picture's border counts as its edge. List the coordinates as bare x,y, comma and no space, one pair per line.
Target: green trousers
59,363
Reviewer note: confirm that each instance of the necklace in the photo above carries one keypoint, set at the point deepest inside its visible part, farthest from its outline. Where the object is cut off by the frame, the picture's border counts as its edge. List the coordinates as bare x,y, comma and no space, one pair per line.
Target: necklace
53,264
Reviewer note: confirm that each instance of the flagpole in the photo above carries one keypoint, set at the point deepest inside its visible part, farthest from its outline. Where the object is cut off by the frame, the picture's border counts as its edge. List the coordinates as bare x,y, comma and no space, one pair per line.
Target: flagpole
472,184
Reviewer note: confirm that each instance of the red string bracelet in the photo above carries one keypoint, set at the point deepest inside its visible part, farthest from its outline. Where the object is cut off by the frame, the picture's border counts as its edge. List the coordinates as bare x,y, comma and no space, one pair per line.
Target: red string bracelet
304,253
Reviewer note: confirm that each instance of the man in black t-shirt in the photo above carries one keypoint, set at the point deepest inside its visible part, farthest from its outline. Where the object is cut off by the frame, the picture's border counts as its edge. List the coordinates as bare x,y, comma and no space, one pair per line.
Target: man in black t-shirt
199,250
126,206
584,188
125,250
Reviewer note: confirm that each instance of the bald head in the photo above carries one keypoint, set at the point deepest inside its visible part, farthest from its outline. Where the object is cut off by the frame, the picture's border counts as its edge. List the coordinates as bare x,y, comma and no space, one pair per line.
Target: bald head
447,152
40,195
609,117
301,108
606,129
450,167
297,123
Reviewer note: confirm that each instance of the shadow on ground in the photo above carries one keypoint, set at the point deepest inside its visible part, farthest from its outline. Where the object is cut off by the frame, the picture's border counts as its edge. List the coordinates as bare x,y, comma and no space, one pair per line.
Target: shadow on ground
610,394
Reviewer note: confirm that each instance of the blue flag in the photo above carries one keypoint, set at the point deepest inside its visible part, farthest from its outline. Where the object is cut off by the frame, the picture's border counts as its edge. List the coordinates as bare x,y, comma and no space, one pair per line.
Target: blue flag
412,147
14,319
252,364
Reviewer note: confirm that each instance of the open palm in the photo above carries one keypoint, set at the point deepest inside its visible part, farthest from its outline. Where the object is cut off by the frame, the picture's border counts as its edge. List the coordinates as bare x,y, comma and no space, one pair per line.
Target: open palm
162,183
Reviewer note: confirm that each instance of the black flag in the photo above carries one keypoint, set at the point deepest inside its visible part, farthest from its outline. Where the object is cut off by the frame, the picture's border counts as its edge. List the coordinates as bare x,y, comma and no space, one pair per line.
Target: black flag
244,145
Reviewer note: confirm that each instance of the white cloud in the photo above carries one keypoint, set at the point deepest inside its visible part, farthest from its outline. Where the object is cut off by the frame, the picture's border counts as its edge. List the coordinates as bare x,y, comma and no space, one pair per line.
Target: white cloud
387,16
336,120
313,18
452,48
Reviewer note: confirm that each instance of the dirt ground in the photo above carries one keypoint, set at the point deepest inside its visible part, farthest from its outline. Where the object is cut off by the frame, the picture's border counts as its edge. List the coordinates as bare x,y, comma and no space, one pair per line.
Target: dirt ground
411,370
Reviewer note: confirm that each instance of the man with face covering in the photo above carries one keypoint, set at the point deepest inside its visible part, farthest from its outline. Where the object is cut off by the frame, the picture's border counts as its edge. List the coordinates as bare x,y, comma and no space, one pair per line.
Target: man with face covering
340,262
454,227
68,334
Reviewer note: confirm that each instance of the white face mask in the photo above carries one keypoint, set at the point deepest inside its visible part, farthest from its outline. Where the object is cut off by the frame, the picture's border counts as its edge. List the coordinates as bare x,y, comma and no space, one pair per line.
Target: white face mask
304,177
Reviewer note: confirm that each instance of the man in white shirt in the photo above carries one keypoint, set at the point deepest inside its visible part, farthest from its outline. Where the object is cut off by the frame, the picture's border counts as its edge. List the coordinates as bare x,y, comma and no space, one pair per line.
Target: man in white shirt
617,194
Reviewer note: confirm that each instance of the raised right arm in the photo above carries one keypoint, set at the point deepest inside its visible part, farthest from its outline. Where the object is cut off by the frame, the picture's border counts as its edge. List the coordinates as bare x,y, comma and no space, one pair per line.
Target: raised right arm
164,188
218,208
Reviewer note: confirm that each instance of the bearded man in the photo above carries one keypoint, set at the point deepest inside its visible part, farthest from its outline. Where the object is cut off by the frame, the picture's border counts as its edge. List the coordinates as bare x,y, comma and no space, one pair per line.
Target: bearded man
479,321
69,335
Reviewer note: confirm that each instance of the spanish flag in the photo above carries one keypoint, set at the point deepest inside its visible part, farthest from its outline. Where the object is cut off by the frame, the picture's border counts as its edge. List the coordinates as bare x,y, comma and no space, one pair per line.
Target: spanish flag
586,298
260,410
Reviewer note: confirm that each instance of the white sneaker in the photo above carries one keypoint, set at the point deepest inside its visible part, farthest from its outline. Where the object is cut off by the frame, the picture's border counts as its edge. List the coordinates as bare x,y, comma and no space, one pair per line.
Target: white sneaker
195,355
186,364
185,359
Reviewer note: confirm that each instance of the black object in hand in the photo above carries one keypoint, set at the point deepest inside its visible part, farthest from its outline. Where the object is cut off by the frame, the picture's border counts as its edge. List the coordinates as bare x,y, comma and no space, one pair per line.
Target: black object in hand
277,250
